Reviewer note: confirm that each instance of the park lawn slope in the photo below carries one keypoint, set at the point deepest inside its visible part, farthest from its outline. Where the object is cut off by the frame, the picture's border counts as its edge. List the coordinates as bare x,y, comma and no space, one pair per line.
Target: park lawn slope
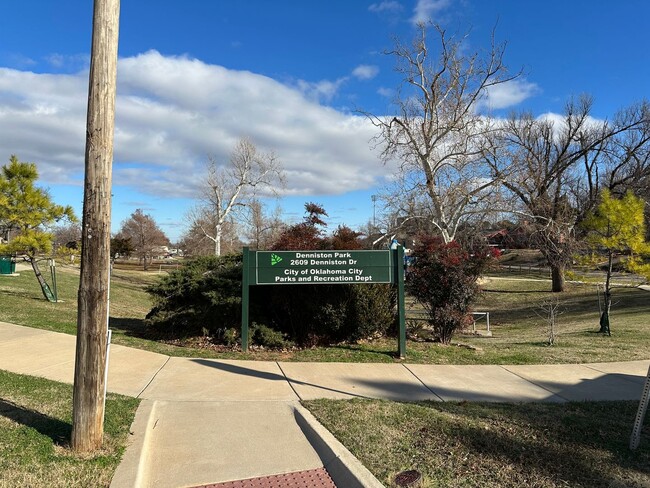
519,331
35,427
23,303
539,445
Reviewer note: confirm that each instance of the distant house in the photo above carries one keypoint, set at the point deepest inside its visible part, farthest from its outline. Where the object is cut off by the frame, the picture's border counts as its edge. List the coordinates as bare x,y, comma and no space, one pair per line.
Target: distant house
516,238
499,238
160,252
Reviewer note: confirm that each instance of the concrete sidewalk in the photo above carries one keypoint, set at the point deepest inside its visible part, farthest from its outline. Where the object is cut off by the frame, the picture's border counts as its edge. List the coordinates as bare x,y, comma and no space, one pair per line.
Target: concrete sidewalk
206,421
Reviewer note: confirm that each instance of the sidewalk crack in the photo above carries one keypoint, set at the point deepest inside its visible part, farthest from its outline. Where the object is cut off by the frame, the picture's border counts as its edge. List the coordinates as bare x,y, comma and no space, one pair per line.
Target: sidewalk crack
153,377
295,392
423,383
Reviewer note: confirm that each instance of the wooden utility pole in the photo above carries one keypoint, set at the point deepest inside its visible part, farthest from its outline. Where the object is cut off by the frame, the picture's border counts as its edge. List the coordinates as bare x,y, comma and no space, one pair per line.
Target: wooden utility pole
92,315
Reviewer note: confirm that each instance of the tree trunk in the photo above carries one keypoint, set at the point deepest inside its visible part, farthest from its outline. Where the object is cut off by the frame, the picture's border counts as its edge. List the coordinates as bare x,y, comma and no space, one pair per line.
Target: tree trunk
557,278
92,315
217,240
604,318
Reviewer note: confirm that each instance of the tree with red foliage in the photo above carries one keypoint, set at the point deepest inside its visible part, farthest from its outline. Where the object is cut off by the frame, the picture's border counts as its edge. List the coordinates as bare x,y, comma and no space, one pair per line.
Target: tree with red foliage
443,279
345,238
307,235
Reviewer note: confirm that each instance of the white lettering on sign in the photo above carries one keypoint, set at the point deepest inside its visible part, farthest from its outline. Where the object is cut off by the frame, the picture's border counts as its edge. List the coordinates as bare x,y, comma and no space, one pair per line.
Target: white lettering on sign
314,255
327,262
285,279
327,271
332,279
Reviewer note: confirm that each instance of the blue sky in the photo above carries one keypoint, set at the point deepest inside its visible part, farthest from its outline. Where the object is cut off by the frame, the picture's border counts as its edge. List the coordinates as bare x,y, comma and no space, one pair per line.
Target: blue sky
196,75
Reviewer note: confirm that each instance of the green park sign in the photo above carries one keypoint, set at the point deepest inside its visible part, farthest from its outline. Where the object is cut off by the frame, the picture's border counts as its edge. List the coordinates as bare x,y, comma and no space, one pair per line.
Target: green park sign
324,268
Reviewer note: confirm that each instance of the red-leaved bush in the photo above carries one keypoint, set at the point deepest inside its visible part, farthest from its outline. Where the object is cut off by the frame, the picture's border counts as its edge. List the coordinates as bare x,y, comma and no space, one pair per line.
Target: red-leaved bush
443,279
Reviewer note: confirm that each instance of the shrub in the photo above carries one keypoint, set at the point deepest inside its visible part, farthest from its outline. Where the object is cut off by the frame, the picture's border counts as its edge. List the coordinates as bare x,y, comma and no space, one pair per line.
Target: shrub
204,298
203,295
322,314
443,279
262,335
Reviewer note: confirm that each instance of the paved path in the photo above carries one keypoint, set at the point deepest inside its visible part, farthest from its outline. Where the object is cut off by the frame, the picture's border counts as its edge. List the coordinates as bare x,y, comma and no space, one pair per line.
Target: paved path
206,421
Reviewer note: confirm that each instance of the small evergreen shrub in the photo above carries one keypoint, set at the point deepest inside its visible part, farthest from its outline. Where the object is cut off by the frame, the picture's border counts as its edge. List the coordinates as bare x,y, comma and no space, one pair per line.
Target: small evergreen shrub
262,335
203,295
325,314
203,298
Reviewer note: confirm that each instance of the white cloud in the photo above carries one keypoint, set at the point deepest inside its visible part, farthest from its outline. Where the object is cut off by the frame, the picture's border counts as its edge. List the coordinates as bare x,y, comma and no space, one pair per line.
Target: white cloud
56,60
385,6
386,92
324,90
21,60
365,72
509,94
171,112
72,63
426,10
559,121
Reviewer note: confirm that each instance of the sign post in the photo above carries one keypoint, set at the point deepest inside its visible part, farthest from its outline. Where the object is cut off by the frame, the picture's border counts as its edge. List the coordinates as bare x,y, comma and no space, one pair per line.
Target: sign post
401,309
324,267
245,299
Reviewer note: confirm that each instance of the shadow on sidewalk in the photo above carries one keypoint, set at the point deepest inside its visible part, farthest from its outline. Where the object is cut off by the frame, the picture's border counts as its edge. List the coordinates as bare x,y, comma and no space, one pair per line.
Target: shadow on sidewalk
240,370
53,428
607,387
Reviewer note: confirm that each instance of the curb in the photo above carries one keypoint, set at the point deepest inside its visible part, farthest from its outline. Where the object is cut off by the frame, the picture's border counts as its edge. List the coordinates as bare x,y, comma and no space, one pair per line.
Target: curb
344,469
131,472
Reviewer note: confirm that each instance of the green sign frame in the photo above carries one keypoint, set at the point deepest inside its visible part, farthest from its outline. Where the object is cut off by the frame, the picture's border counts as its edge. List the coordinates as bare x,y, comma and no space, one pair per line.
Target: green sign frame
324,267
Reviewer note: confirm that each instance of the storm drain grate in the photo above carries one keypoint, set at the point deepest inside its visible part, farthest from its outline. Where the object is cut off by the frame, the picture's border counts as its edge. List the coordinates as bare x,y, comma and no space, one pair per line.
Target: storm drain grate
313,478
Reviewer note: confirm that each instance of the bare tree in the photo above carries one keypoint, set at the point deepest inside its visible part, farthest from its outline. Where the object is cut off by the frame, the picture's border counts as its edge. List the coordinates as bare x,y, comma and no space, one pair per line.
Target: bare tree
549,311
623,164
195,243
262,229
144,235
230,186
68,235
542,161
439,135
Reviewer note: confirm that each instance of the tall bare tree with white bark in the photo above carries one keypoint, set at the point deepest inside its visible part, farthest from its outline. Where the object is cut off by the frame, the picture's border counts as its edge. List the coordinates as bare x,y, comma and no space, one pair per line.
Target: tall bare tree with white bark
438,134
230,186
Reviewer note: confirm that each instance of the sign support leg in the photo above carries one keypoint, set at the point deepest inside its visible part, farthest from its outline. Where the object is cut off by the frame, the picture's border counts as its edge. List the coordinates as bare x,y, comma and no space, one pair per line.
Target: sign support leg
401,308
245,299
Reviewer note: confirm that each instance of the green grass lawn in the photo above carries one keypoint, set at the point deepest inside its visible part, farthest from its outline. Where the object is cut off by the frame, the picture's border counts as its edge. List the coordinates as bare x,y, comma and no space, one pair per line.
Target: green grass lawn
493,445
22,303
453,444
513,300
35,427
